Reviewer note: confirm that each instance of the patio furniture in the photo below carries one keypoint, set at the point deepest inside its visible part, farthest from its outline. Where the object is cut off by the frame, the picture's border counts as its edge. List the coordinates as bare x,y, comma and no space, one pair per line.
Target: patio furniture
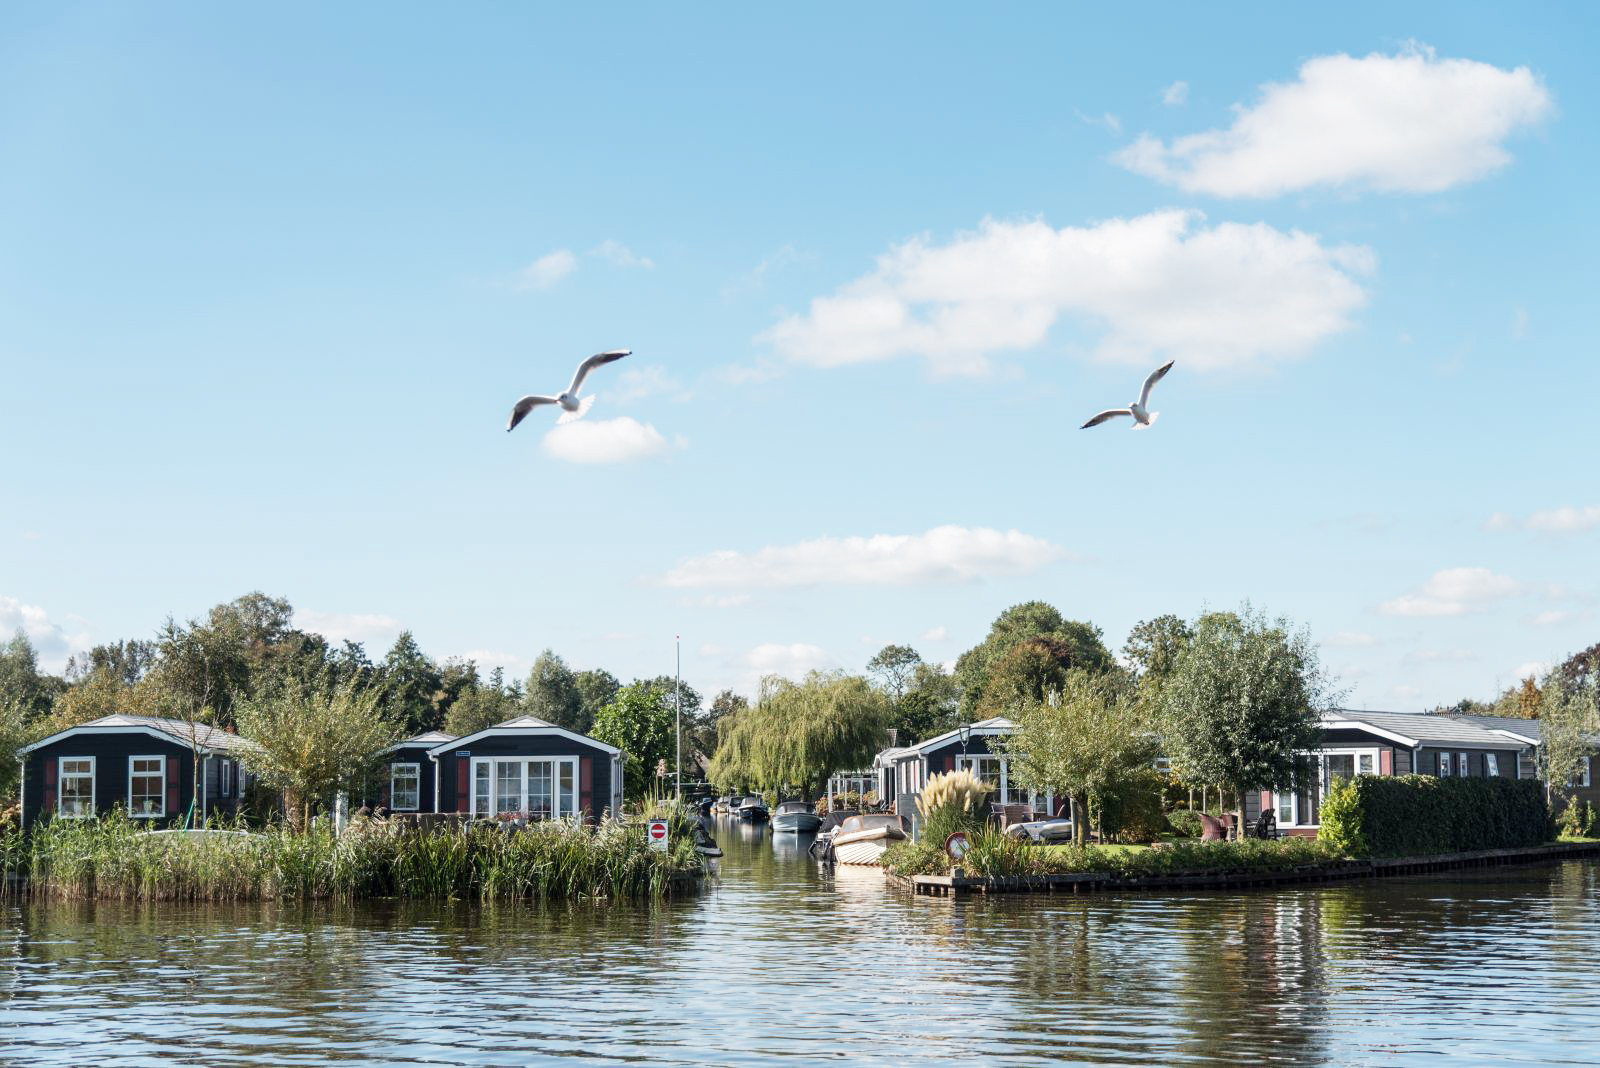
1212,829
1267,824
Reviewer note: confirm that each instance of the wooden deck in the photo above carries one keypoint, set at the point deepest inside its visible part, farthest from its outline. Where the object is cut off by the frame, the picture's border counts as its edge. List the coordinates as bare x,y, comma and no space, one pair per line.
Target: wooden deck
1086,882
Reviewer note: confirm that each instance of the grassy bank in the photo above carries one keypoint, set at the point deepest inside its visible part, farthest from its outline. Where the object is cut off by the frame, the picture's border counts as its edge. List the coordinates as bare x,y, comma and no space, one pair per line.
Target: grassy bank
992,854
115,858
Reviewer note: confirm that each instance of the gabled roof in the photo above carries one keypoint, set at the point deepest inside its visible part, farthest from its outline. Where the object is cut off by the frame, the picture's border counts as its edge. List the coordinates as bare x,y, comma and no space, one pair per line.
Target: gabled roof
1417,728
210,739
425,740
521,726
994,725
1528,730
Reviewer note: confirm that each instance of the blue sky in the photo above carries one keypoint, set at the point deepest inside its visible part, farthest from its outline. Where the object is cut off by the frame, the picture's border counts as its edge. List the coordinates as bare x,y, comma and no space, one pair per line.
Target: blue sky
271,280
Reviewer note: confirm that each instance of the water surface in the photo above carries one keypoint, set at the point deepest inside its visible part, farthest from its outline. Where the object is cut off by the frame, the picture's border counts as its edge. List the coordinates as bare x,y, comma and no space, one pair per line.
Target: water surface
780,960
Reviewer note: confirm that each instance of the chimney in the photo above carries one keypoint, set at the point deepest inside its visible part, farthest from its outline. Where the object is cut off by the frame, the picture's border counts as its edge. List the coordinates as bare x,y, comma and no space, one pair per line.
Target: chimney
894,737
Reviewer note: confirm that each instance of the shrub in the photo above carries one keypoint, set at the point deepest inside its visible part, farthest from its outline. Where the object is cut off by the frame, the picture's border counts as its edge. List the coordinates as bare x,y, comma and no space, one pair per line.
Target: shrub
1413,815
952,801
908,858
1577,819
1133,812
1184,823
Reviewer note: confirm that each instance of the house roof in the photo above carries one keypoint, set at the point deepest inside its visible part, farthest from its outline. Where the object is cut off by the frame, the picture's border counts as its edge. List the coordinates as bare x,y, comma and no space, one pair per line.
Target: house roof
994,725
888,756
522,725
1523,728
210,739
425,740
1418,728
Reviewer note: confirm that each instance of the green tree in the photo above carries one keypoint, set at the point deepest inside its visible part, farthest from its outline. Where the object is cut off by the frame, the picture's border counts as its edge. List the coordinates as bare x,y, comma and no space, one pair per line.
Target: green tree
1569,725
313,741
931,705
798,734
1244,704
1031,670
16,731
1033,619
482,706
1153,649
552,693
894,667
21,681
596,689
1087,739
411,686
640,722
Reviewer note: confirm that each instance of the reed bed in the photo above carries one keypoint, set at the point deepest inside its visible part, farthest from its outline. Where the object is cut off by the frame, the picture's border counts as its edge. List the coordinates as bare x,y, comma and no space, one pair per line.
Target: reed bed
114,858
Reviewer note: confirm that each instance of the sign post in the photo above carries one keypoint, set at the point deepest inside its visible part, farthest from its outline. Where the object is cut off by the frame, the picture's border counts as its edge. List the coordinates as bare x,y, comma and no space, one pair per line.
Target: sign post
656,833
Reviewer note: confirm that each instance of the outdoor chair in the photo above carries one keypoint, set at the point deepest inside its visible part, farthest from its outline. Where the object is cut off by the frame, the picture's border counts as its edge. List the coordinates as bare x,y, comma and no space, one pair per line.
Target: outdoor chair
1212,829
1267,824
1013,814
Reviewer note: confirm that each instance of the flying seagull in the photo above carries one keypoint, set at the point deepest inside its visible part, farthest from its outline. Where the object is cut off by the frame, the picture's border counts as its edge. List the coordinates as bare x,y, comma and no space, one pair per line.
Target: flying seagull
572,406
1142,416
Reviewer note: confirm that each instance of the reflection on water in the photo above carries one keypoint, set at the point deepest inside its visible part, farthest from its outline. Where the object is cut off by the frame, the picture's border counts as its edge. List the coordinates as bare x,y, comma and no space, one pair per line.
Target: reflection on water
780,959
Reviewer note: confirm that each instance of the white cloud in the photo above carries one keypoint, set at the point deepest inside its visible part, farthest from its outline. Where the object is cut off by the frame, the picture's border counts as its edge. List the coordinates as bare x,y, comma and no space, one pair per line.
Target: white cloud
367,628
935,634
1555,617
619,254
605,441
757,275
1453,591
943,554
1442,656
1564,520
52,643
790,661
1162,284
1405,123
547,270
719,600
1176,94
651,380
1408,693
1532,669
1106,119
1349,639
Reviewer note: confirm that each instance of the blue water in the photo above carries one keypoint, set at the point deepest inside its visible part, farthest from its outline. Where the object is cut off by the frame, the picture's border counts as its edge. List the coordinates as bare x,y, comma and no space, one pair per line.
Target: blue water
779,960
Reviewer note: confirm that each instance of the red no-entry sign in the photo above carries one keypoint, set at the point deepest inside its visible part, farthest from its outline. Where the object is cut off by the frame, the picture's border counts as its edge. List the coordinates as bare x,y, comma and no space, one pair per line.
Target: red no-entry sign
656,831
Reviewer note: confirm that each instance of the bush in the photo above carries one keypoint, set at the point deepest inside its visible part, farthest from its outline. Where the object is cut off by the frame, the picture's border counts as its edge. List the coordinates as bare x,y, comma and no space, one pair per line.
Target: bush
1185,823
908,858
1416,815
1133,813
952,801
993,855
1577,819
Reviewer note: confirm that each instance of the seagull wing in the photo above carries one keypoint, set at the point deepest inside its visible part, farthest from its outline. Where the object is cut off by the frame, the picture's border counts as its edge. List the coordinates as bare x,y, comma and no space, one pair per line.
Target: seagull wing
1109,413
591,363
524,406
1150,383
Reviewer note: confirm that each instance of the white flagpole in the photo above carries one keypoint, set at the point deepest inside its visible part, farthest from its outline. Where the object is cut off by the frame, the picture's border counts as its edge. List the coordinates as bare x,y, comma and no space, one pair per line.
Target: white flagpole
677,714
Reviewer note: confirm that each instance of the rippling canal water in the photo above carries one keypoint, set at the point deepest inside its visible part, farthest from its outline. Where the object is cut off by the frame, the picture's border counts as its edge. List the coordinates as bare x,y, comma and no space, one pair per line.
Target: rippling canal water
778,960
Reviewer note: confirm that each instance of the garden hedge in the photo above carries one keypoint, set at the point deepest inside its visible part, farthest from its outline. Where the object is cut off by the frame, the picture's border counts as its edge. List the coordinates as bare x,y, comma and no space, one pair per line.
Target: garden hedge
1415,815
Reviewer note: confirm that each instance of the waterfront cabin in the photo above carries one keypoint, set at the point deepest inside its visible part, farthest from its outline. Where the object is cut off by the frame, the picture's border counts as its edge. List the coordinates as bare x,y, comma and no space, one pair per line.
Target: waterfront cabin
1391,743
967,747
405,782
1584,782
526,768
142,764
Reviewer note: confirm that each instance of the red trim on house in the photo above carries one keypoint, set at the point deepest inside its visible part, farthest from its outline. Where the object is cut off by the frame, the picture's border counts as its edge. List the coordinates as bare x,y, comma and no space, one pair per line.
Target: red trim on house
174,787
463,782
50,785
586,787
1386,762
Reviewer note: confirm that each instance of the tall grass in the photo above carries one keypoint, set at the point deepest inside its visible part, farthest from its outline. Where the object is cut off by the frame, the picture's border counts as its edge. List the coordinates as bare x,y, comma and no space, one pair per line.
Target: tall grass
115,858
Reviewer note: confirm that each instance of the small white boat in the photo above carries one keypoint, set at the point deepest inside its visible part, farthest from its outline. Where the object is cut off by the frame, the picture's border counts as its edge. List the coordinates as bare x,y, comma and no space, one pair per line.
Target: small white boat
864,838
1057,830
798,816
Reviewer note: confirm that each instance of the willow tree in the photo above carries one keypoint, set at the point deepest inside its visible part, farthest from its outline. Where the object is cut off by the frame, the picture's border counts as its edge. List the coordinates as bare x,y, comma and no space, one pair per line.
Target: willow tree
1085,739
800,733
1569,723
313,740
1243,705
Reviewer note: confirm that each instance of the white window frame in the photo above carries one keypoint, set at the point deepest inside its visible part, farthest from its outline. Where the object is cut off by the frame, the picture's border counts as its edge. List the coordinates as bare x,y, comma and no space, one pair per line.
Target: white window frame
1445,769
1463,769
1355,753
555,762
161,812
394,773
1579,779
61,782
225,778
1491,766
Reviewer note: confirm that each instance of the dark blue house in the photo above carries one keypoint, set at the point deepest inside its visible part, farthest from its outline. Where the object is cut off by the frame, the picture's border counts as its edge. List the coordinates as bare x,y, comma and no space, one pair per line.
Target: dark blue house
526,768
143,764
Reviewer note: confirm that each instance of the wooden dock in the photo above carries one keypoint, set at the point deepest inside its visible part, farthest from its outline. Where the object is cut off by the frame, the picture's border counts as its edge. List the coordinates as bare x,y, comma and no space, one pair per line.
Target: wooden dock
1088,882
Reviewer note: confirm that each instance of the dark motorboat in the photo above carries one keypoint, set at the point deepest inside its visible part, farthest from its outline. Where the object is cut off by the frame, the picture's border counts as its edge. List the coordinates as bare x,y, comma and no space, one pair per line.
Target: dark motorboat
798,816
752,810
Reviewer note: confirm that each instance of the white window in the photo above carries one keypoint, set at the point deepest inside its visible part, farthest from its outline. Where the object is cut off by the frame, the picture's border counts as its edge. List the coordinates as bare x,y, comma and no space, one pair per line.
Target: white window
1461,763
225,778
75,786
147,787
1491,765
541,788
991,769
1580,776
405,785
1286,808
1444,765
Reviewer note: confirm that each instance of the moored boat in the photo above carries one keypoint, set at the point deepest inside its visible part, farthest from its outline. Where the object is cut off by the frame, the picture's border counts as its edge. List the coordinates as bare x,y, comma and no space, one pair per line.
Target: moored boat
799,816
752,810
863,839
